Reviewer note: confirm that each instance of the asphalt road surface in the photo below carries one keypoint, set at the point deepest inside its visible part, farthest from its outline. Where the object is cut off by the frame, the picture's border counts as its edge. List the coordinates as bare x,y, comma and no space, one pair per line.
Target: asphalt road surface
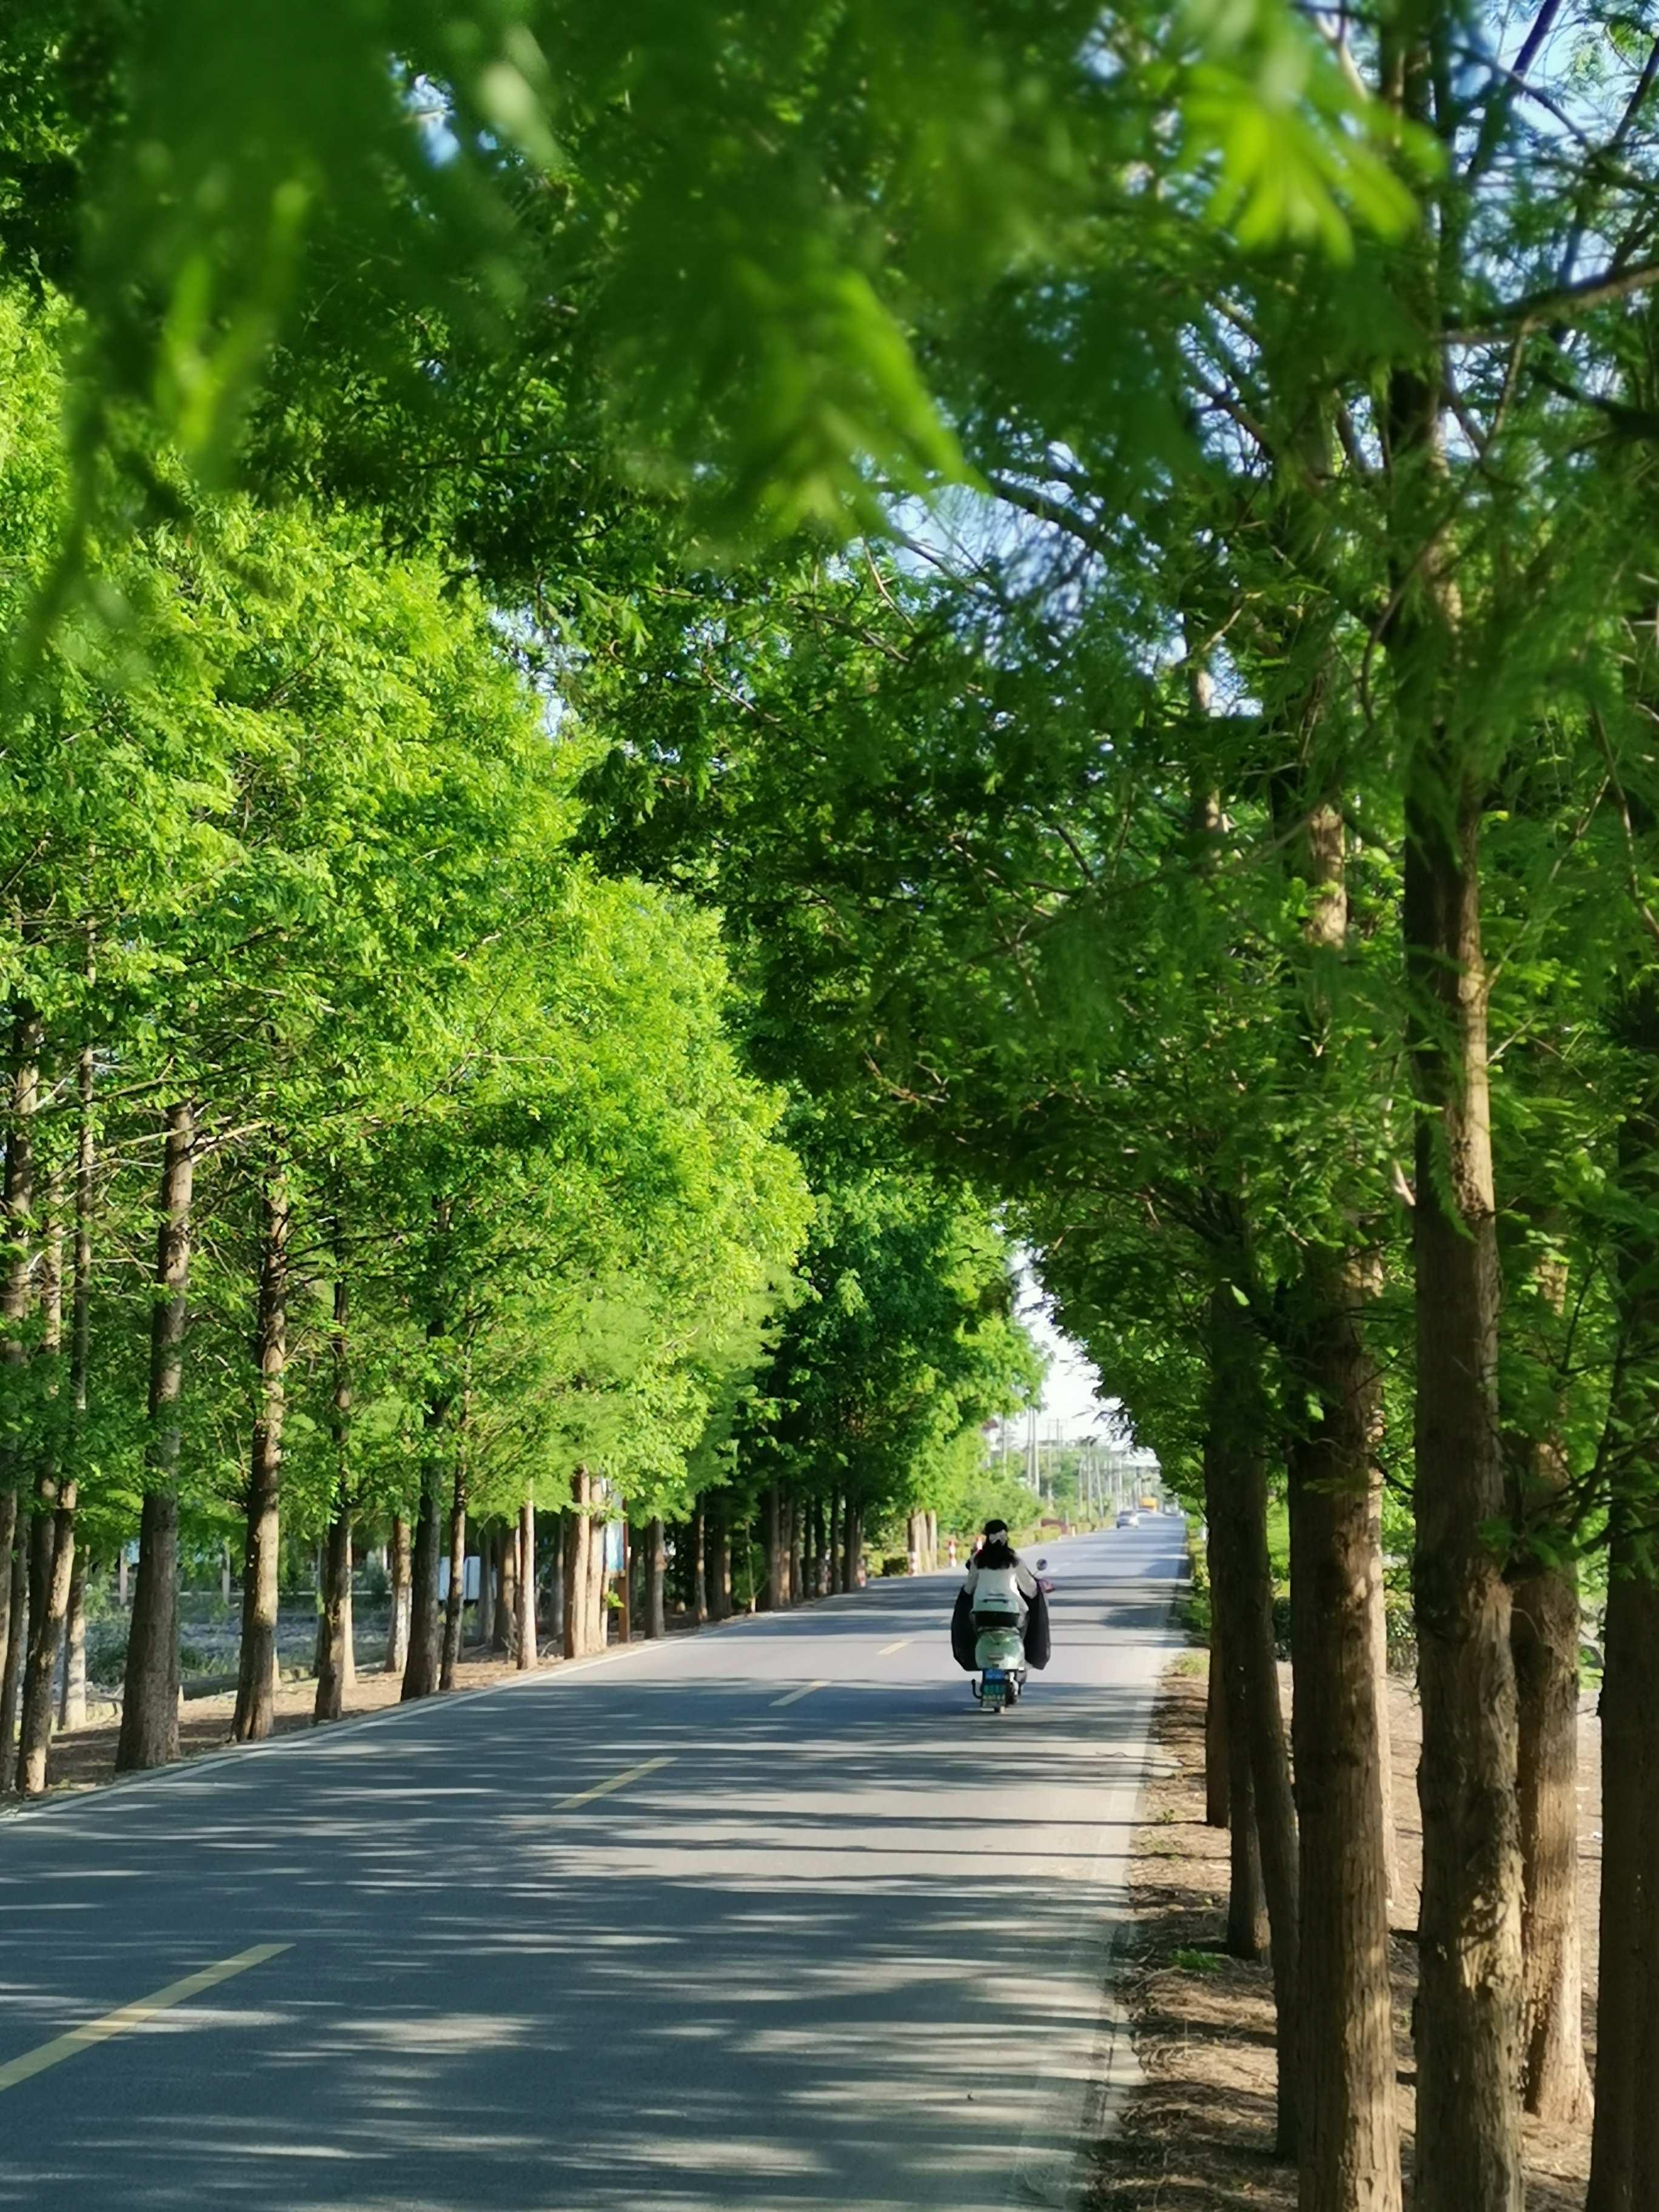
767,1919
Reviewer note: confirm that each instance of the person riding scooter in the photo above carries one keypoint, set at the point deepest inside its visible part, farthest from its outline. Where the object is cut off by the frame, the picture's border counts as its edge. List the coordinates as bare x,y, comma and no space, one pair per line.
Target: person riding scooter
1000,1593
999,1585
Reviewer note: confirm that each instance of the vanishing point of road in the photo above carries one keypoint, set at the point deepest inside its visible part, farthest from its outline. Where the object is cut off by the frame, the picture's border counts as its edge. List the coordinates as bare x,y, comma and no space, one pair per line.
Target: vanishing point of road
767,1919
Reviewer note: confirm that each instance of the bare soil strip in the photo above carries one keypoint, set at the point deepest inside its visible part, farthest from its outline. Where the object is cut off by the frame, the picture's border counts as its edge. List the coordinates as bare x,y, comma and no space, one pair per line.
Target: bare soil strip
1196,2136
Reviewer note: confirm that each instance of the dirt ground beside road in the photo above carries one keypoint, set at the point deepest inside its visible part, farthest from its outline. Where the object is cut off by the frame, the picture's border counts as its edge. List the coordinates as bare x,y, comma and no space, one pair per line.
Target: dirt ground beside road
1196,2135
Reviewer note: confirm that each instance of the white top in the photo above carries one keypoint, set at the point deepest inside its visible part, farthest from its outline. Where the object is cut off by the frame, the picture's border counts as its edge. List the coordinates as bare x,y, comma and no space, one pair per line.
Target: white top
1001,1589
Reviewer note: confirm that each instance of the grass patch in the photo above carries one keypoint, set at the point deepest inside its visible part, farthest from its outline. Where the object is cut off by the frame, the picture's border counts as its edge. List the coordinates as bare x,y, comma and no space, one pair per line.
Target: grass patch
1197,1962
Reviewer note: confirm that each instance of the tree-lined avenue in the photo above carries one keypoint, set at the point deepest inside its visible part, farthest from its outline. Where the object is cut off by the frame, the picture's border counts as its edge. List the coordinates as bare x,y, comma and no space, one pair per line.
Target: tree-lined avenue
624,1935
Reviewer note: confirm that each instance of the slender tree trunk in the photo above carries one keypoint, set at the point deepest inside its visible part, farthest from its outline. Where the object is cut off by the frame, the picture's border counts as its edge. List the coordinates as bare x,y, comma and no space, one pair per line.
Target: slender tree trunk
398,1551
1216,1786
488,1548
598,1629
529,1651
457,1596
421,1668
1379,1622
1625,2141
1348,2132
697,1540
337,1671
1624,2174
1468,2007
1247,1933
554,1624
506,1606
797,1585
17,1295
1544,1638
1469,2154
718,1559
769,1597
51,1544
72,1703
256,1703
1349,2135
656,1569
335,1660
149,1705
578,1544
1240,1527
17,1618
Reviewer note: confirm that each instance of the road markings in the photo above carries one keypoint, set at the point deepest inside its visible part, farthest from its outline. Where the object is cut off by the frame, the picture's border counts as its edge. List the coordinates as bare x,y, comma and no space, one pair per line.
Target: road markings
133,2016
616,1781
805,1691
899,1646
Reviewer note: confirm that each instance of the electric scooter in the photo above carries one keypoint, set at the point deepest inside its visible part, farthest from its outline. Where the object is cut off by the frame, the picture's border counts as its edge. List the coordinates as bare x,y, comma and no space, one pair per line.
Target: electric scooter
1000,1656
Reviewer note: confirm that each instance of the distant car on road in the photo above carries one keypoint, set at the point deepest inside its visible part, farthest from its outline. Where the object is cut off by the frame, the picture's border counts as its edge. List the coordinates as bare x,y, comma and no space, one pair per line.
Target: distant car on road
1128,1518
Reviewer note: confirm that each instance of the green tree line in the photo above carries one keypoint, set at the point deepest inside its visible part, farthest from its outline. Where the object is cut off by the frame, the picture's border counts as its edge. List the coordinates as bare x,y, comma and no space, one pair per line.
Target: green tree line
1111,556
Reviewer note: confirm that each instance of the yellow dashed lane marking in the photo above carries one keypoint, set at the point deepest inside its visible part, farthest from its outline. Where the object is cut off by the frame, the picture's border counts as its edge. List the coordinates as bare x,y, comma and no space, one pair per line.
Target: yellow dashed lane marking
133,2016
616,1781
805,1691
899,1646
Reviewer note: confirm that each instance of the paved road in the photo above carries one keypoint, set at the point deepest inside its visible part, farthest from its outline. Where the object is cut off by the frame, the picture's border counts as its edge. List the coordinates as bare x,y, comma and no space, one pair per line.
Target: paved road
837,1952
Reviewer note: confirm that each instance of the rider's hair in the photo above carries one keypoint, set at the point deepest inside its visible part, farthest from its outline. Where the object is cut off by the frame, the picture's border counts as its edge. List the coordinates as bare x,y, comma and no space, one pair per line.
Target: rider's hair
997,1552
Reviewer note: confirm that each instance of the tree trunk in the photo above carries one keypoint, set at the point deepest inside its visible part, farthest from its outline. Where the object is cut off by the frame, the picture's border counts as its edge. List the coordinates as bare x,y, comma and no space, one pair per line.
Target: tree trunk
718,1541
397,1572
149,1702
256,1703
529,1652
421,1668
336,1660
506,1606
1624,2174
1216,1786
1544,1638
769,1597
696,1542
1468,2152
656,1568
456,1599
17,1295
1348,2131
579,1543
72,1703
598,1629
16,1557
796,1585
1238,1524
337,1671
1625,2142
72,1699
1468,2006
1247,1935
51,1542
1379,1618
488,1548
553,1624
